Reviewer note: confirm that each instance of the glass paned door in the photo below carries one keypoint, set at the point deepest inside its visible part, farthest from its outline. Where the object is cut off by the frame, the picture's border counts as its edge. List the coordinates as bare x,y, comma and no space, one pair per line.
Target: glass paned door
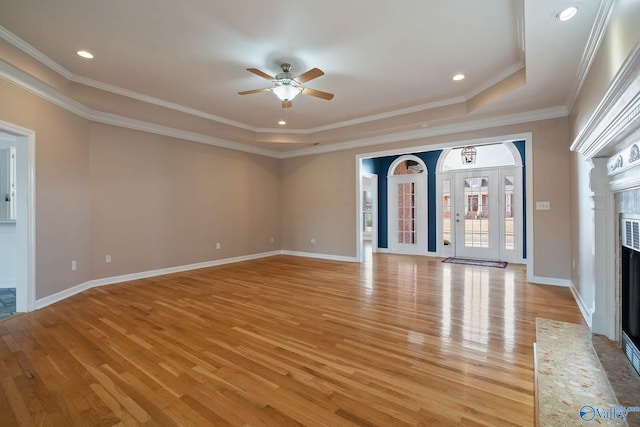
407,231
446,212
509,211
476,214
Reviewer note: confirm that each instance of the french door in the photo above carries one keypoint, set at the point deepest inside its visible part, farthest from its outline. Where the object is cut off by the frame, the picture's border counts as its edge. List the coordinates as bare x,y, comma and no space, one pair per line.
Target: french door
477,214
481,214
407,214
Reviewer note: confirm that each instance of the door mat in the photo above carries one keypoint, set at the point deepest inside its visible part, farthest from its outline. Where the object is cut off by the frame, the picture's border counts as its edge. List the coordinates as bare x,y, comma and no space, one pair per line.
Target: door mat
480,262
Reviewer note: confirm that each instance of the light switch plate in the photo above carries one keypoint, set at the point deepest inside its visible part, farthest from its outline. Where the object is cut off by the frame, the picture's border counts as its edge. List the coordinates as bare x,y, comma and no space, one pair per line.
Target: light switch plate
543,206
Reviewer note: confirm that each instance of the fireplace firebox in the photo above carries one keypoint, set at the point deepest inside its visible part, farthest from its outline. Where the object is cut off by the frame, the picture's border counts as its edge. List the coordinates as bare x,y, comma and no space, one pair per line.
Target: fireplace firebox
630,290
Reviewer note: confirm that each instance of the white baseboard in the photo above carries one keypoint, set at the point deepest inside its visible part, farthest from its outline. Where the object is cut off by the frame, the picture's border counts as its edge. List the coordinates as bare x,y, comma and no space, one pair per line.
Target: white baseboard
320,256
586,313
565,283
59,296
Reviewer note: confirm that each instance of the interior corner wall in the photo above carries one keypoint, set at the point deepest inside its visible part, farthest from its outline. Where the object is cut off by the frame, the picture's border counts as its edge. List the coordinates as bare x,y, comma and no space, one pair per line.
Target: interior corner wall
149,201
318,195
583,233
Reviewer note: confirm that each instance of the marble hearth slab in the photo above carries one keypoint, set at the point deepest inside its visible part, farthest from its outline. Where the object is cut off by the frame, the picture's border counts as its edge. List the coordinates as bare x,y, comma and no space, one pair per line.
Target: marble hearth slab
570,379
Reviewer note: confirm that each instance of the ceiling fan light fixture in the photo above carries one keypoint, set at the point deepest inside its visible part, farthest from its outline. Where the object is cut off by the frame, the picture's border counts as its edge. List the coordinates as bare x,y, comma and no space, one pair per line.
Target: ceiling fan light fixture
286,90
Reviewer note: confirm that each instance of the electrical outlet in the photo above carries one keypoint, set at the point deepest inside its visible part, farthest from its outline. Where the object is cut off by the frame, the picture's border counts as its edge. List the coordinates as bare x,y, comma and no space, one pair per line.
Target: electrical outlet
107,259
272,240
217,245
74,265
543,206
313,241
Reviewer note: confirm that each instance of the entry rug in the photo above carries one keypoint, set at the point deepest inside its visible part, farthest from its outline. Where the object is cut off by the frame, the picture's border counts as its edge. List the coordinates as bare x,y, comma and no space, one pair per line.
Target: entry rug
480,262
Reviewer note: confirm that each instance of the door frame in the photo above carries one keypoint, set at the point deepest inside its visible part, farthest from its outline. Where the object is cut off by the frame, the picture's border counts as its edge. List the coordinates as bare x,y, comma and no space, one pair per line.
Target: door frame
493,251
512,256
450,142
422,245
26,215
374,213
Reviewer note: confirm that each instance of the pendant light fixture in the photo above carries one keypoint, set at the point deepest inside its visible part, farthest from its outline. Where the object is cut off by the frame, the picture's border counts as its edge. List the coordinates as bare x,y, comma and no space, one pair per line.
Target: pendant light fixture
469,155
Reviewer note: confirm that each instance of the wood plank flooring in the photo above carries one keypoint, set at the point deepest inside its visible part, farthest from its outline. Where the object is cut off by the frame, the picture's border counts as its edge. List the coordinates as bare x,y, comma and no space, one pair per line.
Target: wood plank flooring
280,341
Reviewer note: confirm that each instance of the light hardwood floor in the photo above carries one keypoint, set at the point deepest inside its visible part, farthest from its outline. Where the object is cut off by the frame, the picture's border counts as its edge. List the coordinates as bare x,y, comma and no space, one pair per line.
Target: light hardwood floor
283,341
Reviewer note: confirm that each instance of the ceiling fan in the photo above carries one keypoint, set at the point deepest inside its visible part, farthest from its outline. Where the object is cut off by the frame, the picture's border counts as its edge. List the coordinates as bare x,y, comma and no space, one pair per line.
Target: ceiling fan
286,86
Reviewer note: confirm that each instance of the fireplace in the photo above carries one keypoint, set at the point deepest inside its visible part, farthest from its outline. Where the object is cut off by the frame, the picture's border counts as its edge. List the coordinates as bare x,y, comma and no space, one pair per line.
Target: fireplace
630,288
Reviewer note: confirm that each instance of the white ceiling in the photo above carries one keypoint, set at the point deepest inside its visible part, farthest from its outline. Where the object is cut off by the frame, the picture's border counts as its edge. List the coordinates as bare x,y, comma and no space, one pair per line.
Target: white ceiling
379,57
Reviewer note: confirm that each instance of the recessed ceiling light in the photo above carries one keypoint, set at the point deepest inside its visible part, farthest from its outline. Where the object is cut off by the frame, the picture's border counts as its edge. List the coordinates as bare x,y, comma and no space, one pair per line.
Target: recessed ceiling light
566,14
458,77
85,54
282,122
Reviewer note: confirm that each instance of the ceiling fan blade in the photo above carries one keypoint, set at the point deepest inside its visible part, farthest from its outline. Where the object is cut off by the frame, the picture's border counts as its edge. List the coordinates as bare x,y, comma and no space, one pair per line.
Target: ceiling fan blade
318,93
313,73
249,92
260,73
287,104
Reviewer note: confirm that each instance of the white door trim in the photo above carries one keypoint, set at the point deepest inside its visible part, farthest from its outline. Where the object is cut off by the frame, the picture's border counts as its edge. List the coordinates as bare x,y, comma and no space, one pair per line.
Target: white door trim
527,137
374,212
421,245
26,215
492,251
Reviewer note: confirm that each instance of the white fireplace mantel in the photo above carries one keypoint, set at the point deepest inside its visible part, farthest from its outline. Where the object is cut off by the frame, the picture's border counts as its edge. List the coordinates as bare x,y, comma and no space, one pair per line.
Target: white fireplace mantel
617,114
610,141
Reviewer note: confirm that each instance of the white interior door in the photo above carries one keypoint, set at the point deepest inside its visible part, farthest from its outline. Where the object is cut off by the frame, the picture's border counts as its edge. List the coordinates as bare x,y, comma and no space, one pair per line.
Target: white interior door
477,214
407,214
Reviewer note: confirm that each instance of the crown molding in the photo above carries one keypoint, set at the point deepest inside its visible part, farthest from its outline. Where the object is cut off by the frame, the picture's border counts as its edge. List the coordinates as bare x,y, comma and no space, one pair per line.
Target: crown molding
19,78
35,86
615,111
495,80
366,119
156,101
36,54
593,44
471,125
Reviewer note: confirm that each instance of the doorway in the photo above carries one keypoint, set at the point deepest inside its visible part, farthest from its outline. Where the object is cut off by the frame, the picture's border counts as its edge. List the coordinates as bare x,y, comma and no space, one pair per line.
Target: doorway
407,206
368,214
481,204
17,221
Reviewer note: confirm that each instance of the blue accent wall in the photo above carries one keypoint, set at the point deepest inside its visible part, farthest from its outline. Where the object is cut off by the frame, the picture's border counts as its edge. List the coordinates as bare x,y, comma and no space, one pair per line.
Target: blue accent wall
381,165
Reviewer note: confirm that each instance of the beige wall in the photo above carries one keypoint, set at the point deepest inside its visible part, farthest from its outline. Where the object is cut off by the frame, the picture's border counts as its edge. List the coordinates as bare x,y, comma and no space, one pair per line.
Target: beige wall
319,201
154,202
621,36
149,201
62,188
319,195
159,202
